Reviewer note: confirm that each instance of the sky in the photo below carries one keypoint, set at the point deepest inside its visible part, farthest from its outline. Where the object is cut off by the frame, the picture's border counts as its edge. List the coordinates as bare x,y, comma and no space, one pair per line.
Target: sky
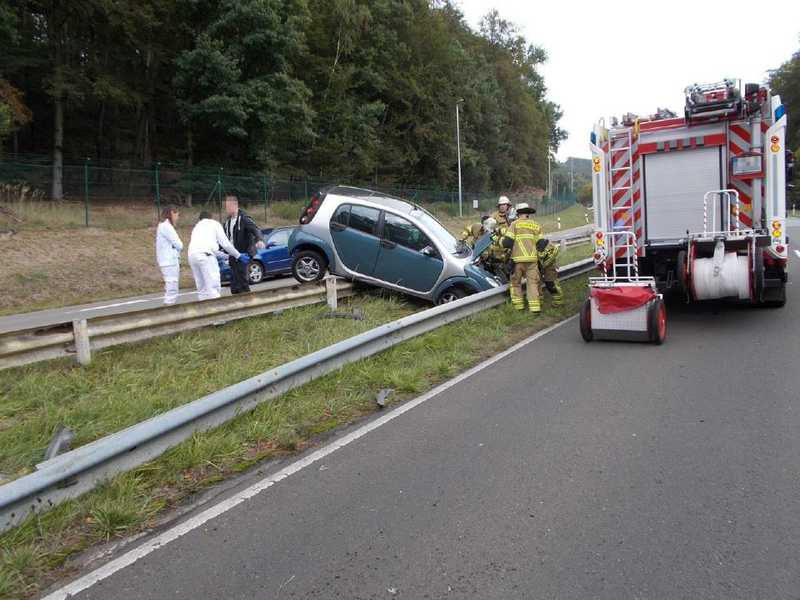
656,50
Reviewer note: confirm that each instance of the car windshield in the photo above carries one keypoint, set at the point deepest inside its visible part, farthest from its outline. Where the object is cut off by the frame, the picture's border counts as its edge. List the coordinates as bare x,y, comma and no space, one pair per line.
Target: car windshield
450,243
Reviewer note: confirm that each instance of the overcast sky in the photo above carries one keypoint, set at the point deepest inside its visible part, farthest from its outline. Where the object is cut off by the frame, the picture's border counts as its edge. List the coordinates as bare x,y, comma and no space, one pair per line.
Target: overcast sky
658,48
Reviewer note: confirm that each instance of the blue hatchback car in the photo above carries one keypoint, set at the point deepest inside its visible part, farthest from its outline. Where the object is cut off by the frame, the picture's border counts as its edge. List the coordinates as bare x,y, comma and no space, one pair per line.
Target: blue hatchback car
271,261
377,239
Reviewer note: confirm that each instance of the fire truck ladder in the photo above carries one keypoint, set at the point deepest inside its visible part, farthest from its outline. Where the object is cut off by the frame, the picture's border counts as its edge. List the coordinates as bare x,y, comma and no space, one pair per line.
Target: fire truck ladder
625,250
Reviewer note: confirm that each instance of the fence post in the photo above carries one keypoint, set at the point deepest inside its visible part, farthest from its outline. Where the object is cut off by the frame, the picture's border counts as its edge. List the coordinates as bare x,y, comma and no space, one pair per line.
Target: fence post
86,190
80,331
158,192
264,181
219,193
330,292
558,220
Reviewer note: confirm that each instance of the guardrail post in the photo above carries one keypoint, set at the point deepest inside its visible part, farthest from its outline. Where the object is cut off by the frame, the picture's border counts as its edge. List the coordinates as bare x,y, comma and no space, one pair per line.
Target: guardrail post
80,330
563,245
330,292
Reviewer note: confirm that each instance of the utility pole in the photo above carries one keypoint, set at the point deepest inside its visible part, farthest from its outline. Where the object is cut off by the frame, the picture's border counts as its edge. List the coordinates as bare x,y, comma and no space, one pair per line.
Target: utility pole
549,177
571,175
458,149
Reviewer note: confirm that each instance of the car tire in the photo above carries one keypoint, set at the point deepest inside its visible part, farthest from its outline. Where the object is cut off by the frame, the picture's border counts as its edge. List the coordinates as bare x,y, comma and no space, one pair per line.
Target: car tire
255,272
586,321
309,266
451,294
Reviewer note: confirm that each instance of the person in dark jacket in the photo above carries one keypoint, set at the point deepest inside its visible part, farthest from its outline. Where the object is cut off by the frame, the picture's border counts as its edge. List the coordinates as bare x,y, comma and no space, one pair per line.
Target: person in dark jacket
246,237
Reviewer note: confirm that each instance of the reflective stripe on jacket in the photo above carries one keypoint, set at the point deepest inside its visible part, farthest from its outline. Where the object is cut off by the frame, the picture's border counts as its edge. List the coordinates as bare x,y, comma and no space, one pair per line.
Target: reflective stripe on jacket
525,233
548,256
471,233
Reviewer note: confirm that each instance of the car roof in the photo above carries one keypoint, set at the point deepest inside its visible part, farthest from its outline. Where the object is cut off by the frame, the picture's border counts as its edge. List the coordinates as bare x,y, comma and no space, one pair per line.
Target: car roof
372,196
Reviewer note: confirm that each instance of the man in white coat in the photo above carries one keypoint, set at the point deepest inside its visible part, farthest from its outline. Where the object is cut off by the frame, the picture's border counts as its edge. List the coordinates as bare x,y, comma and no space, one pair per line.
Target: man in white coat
207,238
168,253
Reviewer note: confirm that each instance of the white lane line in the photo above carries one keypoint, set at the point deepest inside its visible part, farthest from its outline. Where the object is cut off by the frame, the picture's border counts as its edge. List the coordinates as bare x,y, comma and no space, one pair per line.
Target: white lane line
797,252
104,306
170,535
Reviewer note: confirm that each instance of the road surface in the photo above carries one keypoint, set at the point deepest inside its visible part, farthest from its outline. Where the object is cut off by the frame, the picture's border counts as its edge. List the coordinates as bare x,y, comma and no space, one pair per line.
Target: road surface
565,470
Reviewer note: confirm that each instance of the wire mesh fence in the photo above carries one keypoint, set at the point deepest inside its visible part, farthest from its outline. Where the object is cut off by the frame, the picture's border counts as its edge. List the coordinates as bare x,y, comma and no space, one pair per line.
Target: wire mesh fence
122,195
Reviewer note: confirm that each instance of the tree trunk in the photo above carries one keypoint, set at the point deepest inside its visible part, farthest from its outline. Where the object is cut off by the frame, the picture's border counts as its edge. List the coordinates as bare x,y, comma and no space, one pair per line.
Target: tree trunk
57,192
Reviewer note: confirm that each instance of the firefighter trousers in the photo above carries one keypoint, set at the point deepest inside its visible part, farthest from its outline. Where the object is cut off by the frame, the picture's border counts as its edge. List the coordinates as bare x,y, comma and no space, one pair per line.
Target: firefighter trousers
550,277
528,272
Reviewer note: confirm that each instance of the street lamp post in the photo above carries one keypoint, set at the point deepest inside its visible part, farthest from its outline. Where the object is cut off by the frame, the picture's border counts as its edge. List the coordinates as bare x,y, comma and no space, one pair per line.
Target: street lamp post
458,149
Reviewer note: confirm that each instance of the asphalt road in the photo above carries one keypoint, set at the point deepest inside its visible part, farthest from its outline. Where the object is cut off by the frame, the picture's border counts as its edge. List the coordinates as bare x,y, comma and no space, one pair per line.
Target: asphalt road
45,318
56,316
646,473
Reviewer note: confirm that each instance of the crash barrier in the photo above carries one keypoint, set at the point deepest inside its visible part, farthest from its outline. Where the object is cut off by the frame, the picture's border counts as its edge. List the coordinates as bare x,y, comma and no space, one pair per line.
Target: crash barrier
78,471
79,338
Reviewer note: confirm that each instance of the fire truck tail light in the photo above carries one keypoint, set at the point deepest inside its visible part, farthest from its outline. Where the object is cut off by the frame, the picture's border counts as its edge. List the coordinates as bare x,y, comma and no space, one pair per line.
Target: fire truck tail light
780,249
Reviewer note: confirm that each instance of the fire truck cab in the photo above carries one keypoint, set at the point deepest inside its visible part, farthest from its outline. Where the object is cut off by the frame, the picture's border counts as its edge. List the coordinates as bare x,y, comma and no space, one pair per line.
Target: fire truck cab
692,203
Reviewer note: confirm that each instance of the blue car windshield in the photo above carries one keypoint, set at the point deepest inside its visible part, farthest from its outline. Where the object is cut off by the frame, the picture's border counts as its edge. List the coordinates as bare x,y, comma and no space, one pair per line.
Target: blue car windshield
451,244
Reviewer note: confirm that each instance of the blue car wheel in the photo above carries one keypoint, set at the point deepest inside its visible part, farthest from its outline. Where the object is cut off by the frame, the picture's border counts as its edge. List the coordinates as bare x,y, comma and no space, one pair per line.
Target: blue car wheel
255,272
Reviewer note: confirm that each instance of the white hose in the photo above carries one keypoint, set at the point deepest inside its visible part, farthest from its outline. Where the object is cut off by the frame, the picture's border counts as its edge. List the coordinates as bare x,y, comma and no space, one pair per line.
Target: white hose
726,275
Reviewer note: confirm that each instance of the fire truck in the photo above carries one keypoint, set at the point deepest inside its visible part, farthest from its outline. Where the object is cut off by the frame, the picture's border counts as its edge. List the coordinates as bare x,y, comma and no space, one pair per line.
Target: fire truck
693,204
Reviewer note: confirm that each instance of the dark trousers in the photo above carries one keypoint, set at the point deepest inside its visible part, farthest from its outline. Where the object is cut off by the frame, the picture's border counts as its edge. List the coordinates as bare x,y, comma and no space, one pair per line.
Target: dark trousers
239,281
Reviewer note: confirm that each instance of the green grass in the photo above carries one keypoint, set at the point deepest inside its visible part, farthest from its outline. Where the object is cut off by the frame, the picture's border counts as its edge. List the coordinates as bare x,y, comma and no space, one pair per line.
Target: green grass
575,253
107,396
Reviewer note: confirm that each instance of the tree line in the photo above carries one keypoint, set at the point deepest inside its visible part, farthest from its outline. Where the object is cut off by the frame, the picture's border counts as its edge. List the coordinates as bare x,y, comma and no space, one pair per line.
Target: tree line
361,89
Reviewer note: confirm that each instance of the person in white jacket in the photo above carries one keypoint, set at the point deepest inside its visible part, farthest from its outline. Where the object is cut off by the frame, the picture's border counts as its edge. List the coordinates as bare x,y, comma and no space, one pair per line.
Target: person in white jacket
207,238
168,253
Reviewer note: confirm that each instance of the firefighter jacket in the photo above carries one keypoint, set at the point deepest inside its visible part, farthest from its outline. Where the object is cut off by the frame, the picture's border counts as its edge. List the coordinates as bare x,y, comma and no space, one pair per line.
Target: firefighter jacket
471,233
496,250
502,220
524,233
548,255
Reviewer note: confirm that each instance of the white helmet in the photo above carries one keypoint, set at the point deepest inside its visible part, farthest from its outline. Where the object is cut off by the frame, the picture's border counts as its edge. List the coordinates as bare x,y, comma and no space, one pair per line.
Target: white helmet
524,208
490,224
503,200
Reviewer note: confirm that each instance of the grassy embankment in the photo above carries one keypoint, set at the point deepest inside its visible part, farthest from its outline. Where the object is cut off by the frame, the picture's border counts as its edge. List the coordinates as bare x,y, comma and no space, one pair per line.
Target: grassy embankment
53,260
126,384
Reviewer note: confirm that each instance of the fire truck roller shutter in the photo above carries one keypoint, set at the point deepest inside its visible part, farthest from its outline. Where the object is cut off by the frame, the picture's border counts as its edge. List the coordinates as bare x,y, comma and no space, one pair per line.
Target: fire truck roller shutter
675,183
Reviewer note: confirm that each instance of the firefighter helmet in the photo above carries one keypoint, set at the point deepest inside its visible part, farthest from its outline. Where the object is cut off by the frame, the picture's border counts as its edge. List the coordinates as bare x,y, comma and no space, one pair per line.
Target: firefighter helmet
503,200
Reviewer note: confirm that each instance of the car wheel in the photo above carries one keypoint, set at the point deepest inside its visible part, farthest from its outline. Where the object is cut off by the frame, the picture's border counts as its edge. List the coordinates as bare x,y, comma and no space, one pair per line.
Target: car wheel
255,272
451,295
308,266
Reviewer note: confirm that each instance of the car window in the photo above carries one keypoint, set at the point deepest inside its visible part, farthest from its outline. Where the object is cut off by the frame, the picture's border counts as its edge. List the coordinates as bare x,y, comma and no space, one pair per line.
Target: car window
439,231
401,231
363,218
342,215
279,238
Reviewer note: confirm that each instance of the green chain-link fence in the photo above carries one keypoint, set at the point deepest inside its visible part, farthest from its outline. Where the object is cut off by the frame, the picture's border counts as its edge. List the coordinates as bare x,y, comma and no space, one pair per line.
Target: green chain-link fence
117,194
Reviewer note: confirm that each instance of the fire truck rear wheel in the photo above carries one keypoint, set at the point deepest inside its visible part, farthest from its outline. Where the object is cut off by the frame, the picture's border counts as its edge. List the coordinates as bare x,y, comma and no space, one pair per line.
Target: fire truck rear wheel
683,280
586,321
657,321
775,297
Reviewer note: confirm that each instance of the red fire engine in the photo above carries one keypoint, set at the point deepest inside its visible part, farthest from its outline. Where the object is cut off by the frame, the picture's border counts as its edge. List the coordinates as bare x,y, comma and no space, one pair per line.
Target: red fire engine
693,203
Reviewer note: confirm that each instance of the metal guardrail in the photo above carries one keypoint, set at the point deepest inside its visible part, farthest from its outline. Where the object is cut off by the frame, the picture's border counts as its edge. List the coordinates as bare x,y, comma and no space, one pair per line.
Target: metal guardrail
78,471
79,338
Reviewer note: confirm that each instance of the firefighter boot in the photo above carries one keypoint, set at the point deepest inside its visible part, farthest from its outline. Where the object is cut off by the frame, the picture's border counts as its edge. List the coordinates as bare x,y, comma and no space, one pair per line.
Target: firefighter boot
535,306
555,290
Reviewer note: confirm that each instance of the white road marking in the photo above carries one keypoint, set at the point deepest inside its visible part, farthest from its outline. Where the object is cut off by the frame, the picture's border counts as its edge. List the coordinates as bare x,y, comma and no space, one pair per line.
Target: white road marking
104,306
172,534
797,252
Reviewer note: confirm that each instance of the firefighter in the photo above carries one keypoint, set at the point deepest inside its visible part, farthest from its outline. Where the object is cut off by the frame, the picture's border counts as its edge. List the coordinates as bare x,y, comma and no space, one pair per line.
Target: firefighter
521,237
471,233
503,214
548,269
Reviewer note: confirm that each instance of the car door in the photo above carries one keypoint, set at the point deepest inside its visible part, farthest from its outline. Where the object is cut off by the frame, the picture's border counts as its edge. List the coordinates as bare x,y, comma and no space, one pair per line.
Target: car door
275,256
401,260
355,237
